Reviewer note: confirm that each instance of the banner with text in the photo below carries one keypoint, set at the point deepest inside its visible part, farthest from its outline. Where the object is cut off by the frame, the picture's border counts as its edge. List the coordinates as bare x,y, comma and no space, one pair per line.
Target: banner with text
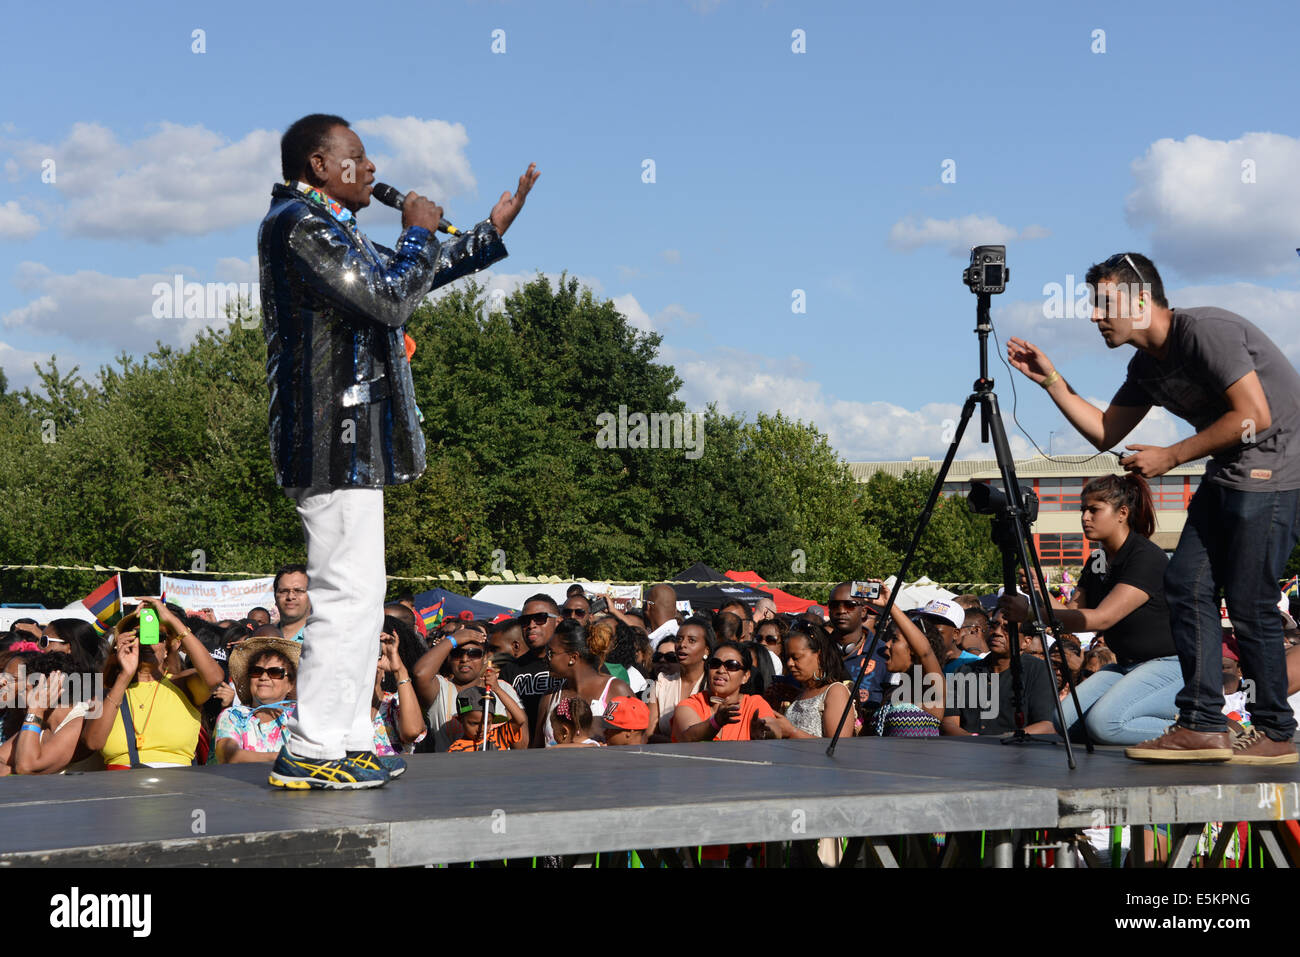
223,599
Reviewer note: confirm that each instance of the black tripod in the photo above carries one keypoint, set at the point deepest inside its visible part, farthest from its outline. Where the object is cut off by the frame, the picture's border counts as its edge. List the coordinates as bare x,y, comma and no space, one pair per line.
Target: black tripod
1011,530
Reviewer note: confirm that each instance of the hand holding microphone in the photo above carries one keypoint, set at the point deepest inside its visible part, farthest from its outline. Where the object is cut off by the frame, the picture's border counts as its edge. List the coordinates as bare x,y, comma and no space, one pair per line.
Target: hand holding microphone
416,210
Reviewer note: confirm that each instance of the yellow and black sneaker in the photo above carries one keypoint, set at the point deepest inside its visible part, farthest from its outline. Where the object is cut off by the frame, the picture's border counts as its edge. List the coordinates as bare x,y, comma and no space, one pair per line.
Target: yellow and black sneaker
391,763
340,774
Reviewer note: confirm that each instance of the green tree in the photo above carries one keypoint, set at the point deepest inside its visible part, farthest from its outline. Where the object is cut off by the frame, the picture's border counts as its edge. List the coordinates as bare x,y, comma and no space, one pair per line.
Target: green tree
957,545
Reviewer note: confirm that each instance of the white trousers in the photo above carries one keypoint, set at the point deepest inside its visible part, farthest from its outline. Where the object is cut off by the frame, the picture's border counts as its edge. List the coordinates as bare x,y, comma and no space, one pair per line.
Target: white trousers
346,582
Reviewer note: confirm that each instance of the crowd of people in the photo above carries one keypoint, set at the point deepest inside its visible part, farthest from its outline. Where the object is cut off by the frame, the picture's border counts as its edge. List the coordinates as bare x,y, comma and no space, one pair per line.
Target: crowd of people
558,675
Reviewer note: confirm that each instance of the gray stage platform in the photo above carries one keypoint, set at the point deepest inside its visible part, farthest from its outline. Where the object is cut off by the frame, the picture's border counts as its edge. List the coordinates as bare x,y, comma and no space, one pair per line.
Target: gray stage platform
462,807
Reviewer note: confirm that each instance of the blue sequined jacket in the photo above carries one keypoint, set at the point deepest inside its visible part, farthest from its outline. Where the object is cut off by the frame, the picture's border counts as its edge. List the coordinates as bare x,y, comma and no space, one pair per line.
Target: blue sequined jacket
334,305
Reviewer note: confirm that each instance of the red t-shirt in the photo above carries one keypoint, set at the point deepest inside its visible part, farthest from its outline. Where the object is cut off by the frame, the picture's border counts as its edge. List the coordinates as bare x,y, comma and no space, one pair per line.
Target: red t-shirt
750,705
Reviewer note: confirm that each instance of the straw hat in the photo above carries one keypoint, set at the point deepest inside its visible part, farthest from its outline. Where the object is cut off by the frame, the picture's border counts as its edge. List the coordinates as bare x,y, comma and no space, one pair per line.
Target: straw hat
248,651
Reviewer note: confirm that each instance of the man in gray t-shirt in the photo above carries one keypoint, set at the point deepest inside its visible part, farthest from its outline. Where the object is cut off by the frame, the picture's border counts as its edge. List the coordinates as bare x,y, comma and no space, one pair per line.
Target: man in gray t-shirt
1226,378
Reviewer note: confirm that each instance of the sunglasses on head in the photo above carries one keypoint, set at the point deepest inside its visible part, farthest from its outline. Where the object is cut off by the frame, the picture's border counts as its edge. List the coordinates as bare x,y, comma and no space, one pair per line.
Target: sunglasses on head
275,671
473,652
668,656
731,664
536,619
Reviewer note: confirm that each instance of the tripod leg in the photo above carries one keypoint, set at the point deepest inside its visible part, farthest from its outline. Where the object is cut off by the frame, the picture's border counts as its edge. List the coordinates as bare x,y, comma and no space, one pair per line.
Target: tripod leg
1024,550
935,490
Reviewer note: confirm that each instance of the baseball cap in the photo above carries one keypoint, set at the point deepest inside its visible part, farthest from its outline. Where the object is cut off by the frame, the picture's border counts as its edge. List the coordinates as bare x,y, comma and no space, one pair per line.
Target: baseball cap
471,699
627,714
949,611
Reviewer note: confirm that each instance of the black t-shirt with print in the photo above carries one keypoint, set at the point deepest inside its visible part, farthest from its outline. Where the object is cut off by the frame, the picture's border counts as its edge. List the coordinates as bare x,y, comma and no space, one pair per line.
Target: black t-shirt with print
532,682
1144,633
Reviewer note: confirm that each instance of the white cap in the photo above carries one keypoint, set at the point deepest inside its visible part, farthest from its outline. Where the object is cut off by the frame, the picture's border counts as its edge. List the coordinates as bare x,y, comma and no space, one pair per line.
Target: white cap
951,612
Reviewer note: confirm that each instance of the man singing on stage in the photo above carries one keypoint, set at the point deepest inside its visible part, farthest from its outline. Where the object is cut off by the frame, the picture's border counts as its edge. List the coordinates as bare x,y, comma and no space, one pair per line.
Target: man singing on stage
344,421
1220,373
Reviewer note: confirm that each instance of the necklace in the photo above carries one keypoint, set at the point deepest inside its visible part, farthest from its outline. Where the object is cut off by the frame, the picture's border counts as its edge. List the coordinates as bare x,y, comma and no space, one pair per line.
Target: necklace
139,734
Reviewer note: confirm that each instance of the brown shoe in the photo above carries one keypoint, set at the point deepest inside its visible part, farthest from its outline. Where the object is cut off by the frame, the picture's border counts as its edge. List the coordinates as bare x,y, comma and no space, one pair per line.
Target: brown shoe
1253,747
1183,744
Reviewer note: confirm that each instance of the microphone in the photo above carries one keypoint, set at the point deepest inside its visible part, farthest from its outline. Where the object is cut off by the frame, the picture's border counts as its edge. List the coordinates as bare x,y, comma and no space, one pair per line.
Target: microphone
391,197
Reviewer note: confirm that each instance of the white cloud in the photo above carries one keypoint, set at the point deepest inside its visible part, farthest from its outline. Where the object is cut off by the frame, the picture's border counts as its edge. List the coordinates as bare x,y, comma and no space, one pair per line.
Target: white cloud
671,256
190,181
741,382
1204,220
16,224
1275,311
18,365
957,236
637,317
1058,337
89,307
427,156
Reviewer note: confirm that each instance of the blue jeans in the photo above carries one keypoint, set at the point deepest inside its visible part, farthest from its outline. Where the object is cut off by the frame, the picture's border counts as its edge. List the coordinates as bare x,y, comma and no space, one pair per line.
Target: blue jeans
1128,705
1237,542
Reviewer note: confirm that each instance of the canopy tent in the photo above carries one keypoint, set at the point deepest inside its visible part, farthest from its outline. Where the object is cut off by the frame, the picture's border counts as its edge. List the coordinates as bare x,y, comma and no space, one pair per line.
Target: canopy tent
712,597
516,594
438,603
786,604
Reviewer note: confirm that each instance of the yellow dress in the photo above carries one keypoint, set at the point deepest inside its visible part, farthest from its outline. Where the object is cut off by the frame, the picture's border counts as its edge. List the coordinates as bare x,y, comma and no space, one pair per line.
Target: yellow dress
166,720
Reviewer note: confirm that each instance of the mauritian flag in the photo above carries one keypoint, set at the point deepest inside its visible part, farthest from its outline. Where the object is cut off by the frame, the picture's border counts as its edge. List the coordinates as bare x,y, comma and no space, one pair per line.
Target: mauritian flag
432,615
105,603
1292,588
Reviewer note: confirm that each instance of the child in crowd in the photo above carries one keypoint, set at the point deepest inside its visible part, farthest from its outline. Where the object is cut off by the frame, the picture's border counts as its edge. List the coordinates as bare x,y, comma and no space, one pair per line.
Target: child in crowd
503,736
626,721
571,724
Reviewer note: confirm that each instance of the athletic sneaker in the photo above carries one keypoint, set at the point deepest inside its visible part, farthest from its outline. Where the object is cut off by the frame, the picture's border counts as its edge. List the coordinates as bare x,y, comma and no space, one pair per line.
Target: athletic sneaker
291,771
1255,747
369,760
1183,744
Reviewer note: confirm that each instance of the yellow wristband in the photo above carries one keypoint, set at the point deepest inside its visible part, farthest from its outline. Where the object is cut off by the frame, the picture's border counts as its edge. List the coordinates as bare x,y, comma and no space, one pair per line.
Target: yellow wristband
1051,380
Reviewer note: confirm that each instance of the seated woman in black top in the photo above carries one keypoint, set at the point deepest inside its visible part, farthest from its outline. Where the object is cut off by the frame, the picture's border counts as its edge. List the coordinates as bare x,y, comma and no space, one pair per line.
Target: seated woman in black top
1122,593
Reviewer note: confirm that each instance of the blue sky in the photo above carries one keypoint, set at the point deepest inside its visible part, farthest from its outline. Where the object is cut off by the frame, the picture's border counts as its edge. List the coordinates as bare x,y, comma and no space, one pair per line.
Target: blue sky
774,171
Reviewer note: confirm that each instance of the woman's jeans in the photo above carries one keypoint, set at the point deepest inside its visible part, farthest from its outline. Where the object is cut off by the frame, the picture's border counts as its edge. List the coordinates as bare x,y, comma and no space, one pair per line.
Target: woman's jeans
1127,705
1238,542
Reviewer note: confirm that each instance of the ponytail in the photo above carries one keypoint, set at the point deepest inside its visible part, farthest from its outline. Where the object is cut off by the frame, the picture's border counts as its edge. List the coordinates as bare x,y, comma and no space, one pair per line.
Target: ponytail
1131,491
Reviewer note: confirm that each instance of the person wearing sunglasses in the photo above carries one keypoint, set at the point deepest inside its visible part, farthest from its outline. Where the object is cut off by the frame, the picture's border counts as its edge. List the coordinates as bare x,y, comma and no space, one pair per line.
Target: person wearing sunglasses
467,655
1219,372
722,711
577,608
533,680
664,661
694,642
850,631
164,715
263,671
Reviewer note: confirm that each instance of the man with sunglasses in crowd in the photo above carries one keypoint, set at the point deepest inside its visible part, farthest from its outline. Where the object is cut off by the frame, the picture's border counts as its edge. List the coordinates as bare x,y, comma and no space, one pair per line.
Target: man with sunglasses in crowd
850,633
1221,374
577,607
534,681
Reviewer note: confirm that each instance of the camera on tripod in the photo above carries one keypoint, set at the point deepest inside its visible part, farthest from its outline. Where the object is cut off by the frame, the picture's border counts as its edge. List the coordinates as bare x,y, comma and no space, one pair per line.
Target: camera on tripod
987,272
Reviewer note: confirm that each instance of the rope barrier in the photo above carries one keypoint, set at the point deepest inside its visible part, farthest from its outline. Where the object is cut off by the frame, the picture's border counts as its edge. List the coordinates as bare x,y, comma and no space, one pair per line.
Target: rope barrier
504,577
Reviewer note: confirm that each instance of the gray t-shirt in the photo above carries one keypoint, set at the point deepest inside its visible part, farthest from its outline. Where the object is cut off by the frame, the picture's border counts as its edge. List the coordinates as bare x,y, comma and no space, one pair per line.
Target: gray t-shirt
1209,350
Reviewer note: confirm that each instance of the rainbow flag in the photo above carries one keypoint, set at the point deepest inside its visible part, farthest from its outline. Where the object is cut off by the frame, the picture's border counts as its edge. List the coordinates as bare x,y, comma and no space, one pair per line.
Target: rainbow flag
433,614
105,603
